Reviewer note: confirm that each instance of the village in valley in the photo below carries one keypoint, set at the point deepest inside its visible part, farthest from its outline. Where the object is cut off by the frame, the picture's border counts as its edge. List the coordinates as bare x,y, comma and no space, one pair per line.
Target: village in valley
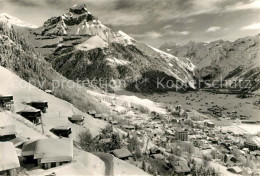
158,138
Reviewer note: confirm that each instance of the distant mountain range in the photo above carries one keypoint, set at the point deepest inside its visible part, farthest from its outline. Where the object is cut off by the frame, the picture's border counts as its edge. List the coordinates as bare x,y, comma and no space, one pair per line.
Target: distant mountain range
237,61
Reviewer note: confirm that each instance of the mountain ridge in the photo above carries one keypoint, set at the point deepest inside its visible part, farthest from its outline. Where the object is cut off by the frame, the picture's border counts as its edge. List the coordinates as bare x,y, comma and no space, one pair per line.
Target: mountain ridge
237,61
77,43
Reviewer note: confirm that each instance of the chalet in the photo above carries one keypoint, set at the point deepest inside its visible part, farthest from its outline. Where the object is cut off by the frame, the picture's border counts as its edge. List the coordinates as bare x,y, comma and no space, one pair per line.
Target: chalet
53,152
92,113
249,121
105,116
155,150
28,151
41,105
114,122
33,115
157,156
129,127
9,162
63,131
210,124
122,153
7,133
104,141
78,119
6,101
98,116
251,145
48,152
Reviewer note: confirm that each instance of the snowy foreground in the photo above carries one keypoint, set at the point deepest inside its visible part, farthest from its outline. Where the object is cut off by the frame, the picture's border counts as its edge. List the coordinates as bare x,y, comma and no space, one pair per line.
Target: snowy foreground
57,114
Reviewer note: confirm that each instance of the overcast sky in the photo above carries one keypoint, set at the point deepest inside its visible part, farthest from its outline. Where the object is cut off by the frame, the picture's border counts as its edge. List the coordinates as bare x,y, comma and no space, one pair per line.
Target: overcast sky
155,21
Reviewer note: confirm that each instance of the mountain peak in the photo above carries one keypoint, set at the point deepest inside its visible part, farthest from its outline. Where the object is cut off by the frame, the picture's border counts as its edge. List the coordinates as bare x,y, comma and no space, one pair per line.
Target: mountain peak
4,17
79,9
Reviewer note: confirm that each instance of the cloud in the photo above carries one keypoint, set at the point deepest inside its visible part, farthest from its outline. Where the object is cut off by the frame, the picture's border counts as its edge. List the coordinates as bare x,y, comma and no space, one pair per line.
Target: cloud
176,33
213,29
150,34
119,18
251,4
253,26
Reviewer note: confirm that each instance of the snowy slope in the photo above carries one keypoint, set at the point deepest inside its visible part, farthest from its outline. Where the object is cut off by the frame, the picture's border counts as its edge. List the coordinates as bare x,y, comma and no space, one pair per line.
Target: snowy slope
123,168
58,111
84,163
4,17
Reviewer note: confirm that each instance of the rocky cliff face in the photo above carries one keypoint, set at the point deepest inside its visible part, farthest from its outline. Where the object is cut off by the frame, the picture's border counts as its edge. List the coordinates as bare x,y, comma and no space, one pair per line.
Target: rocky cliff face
236,61
79,46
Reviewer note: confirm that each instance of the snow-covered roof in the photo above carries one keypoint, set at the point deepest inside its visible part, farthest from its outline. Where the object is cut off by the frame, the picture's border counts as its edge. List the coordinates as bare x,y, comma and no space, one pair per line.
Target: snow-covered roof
8,130
62,127
54,150
235,169
77,117
122,153
9,158
30,110
18,141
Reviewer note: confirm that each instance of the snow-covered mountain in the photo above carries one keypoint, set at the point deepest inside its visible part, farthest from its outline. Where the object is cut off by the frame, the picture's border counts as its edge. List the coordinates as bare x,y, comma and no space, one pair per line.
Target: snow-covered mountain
237,61
79,46
4,17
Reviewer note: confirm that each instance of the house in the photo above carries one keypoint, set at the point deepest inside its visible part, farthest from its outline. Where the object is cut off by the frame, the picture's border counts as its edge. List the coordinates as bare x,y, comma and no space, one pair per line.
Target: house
6,101
98,116
53,152
157,156
92,112
63,131
251,145
104,141
42,105
7,133
9,161
114,122
180,167
105,116
78,119
48,152
236,170
28,151
129,127
181,135
33,115
210,124
122,153
155,150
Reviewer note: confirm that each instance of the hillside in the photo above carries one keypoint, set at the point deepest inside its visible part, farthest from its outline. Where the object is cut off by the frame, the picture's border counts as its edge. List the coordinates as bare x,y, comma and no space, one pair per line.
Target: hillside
57,114
20,57
238,60
80,47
